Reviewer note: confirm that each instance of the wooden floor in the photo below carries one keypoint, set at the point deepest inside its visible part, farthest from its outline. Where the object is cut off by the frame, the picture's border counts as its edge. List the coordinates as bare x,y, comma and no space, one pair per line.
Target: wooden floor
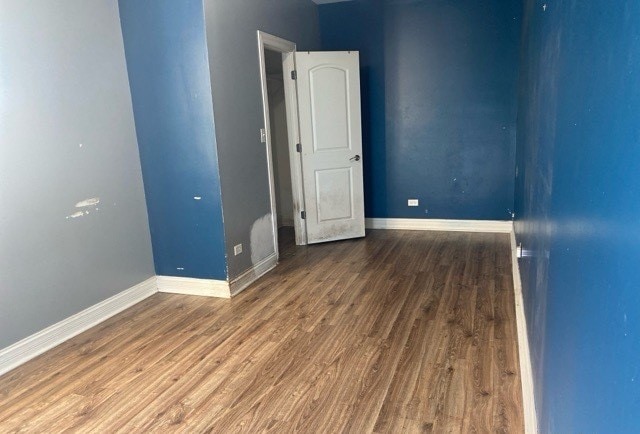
398,332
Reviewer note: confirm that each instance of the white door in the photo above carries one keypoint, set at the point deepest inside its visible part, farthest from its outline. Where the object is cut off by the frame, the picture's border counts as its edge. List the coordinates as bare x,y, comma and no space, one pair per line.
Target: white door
331,140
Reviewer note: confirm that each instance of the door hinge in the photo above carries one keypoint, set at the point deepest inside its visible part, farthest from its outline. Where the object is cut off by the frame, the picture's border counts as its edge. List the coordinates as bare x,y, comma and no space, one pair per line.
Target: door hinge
299,147
303,214
294,75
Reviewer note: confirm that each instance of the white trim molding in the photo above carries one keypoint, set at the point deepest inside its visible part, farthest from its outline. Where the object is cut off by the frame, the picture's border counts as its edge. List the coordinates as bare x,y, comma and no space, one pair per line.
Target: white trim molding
241,282
526,371
191,286
498,226
287,49
32,346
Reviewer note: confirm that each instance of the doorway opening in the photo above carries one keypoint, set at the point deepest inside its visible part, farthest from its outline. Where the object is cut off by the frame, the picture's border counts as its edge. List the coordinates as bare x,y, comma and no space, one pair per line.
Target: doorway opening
279,101
311,103
279,138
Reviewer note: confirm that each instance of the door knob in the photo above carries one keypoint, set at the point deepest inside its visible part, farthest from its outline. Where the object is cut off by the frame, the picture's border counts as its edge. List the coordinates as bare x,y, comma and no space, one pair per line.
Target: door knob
356,158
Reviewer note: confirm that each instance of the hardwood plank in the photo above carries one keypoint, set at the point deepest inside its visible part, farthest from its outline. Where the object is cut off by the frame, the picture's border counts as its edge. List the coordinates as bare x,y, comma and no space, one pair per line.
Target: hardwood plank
402,331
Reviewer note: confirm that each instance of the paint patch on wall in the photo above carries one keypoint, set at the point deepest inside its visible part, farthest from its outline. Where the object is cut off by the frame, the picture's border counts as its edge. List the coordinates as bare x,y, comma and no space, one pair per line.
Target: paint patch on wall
92,201
88,202
75,215
262,239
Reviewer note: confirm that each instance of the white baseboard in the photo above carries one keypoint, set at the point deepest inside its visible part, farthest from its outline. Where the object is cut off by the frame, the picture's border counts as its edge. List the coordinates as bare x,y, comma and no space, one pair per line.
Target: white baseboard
13,356
191,286
252,274
526,371
498,226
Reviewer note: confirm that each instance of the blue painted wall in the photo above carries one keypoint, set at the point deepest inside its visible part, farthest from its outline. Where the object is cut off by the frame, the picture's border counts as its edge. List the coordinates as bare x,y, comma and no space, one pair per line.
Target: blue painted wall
439,86
577,205
168,67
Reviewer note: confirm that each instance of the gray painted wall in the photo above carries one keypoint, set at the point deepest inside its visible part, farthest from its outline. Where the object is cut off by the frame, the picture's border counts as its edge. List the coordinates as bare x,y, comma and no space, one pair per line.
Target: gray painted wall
66,135
235,80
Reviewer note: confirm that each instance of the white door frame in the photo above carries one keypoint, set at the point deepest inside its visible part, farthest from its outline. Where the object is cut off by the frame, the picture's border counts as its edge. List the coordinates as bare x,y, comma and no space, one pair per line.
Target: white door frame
287,48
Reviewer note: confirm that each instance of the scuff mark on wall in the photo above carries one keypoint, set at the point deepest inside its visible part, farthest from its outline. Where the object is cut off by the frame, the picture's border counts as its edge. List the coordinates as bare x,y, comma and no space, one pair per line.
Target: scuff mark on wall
262,239
88,202
75,215
92,201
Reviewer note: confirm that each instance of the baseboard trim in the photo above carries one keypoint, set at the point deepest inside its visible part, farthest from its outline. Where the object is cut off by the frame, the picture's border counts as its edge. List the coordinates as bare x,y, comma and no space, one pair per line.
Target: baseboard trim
32,346
497,226
191,286
526,371
241,282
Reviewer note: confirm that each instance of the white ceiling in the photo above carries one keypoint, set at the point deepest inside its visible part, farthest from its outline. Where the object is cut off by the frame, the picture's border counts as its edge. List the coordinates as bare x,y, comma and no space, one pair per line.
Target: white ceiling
322,2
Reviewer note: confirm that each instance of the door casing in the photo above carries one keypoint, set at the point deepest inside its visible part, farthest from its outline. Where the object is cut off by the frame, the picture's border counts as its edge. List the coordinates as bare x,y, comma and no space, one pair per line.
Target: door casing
288,49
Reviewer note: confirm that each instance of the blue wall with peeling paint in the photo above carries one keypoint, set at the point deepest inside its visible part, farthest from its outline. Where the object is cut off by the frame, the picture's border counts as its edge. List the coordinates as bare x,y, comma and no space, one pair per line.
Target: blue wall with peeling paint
167,61
577,208
439,86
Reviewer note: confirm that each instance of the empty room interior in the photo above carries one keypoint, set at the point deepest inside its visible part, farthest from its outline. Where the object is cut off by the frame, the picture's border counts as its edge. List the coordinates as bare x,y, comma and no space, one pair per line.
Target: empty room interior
320,216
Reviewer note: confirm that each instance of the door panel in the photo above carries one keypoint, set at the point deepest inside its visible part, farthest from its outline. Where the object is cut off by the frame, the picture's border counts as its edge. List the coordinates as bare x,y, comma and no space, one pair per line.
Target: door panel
334,190
329,108
328,86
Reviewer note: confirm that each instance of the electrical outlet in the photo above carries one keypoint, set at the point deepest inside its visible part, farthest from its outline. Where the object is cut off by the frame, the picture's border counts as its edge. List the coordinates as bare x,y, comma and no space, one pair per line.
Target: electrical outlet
237,249
413,202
